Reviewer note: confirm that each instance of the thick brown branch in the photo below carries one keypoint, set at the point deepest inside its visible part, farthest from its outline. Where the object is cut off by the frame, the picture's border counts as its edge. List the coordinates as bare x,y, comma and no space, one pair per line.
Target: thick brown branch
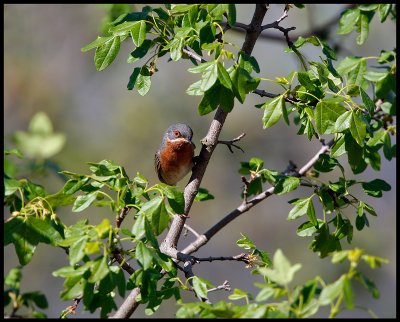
128,306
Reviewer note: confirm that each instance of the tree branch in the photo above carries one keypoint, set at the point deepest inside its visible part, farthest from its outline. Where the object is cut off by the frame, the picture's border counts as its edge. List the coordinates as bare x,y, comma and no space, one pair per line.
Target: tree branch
231,144
225,286
320,31
246,206
209,143
168,246
128,306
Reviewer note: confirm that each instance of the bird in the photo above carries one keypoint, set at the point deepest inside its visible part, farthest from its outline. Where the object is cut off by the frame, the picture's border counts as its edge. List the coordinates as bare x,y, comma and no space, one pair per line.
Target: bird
174,158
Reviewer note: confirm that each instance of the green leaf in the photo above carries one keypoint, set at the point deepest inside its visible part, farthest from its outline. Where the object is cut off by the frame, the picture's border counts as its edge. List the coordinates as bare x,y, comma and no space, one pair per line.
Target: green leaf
272,111
347,65
282,272
40,124
231,14
77,250
245,242
103,228
156,214
138,32
10,186
356,75
355,154
375,187
325,163
181,8
203,195
343,122
140,52
99,270
43,230
385,86
338,148
36,298
138,229
303,206
265,294
384,10
375,76
369,104
306,229
73,185
226,99
84,201
387,146
358,127
13,278
201,67
331,292
175,48
200,286
223,76
100,41
210,100
194,89
175,198
286,185
361,221
106,53
347,20
117,275
209,77
133,78
238,294
39,145
369,285
123,28
364,28
144,255
326,115
304,79
143,81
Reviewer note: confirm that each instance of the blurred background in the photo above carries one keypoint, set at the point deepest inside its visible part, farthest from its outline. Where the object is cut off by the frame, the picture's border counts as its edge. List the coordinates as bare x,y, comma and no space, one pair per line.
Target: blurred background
45,70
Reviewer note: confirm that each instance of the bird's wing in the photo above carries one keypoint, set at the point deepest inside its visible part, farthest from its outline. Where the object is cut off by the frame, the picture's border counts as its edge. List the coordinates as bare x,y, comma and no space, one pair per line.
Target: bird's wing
157,165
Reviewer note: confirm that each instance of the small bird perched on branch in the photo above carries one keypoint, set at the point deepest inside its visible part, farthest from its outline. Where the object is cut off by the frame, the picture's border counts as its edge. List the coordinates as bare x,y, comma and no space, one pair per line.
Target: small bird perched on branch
174,157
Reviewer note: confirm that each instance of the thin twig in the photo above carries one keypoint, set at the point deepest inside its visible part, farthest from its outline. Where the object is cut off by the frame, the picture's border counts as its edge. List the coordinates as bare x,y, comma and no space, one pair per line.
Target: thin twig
121,216
193,55
230,143
187,227
263,93
122,262
244,207
243,257
246,188
225,286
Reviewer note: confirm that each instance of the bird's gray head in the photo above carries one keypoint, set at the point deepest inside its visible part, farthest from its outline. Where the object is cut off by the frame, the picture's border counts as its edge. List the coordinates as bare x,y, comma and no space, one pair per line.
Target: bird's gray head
178,131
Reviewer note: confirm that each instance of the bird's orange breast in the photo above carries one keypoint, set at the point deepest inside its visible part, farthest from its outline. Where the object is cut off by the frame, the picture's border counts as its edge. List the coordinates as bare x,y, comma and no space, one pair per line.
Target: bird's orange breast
176,160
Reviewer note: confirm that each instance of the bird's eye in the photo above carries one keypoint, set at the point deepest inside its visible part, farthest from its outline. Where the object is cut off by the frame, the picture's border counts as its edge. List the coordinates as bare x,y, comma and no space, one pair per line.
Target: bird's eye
177,134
